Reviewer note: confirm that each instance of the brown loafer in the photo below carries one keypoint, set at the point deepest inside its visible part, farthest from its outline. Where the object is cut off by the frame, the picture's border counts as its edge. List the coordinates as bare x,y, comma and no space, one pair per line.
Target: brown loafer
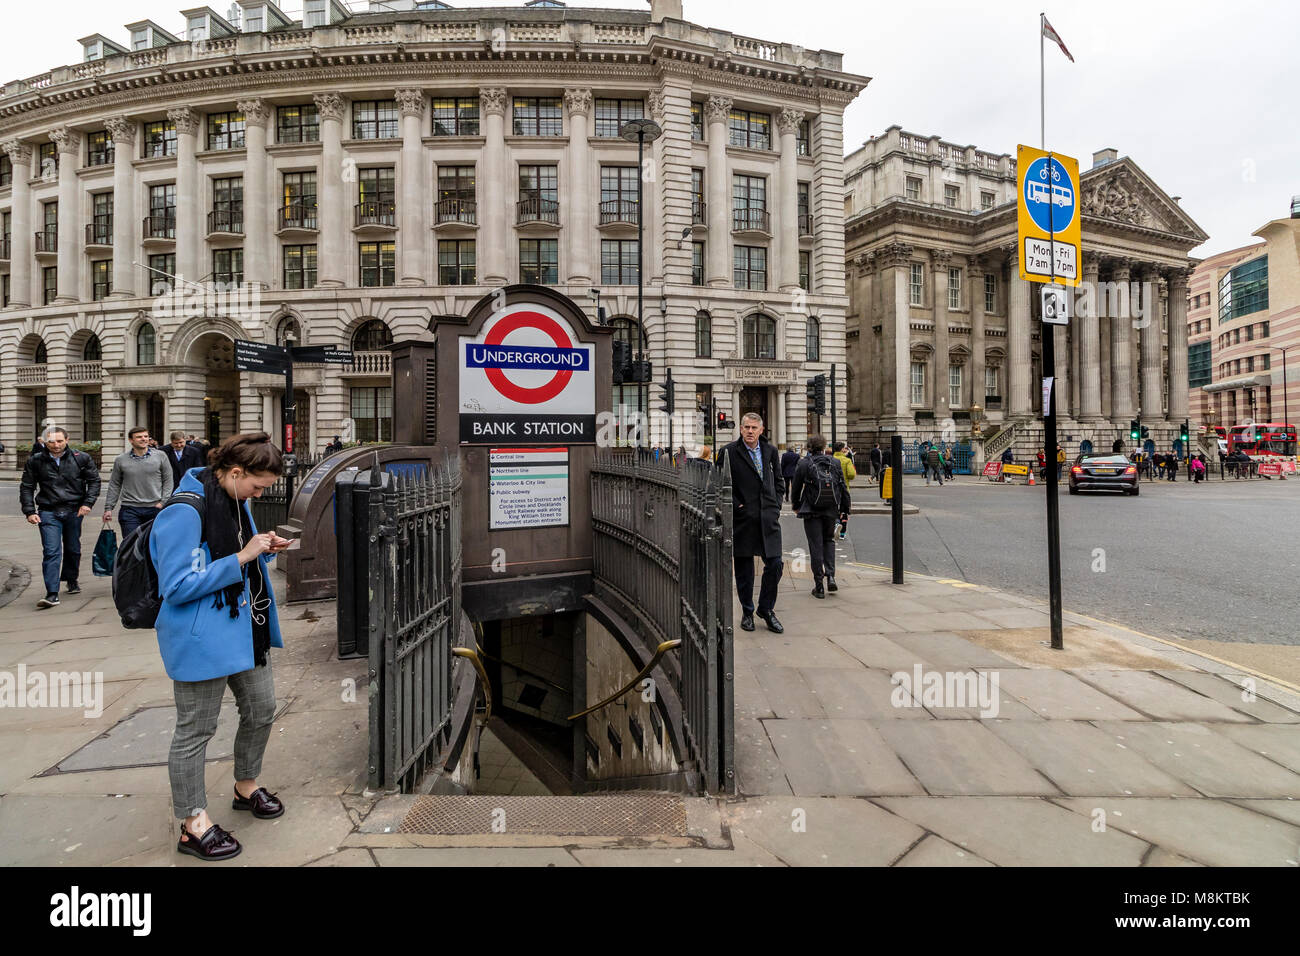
215,844
263,804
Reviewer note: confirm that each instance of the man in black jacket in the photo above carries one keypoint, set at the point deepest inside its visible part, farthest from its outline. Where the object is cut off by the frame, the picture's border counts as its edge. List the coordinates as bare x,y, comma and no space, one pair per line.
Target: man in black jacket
69,485
182,457
789,461
819,515
756,519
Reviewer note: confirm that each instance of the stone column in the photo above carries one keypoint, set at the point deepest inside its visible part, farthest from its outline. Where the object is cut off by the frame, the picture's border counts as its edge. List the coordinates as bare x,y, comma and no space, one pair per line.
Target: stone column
896,259
1178,395
20,252
577,102
68,141
718,181
975,291
1089,343
190,221
493,186
940,258
786,228
1152,402
652,191
259,262
1019,353
413,240
779,431
333,215
269,424
1121,350
124,241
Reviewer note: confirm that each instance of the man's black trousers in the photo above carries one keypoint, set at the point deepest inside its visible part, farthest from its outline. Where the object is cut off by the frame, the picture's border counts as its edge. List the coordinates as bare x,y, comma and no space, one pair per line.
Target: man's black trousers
820,530
772,568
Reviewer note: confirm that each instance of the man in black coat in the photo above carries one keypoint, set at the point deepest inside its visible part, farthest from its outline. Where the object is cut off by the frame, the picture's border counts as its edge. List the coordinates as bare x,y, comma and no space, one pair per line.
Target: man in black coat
58,489
182,457
756,486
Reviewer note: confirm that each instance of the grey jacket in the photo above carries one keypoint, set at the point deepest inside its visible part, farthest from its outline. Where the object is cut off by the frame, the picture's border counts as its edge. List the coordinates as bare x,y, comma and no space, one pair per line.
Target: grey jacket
139,482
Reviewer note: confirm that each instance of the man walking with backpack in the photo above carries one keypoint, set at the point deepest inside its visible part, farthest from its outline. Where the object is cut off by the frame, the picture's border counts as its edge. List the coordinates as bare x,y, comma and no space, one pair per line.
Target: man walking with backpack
142,478
933,465
69,485
821,497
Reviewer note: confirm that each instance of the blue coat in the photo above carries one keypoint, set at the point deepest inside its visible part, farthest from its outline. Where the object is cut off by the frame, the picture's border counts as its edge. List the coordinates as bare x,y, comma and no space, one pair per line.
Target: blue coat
197,641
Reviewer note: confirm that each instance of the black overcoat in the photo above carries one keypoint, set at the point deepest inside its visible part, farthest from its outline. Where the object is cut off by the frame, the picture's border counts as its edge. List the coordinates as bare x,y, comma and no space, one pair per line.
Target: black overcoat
756,503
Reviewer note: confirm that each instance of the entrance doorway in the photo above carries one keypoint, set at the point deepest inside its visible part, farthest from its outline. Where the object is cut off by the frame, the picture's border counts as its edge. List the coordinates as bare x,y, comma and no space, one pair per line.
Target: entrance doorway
154,419
753,398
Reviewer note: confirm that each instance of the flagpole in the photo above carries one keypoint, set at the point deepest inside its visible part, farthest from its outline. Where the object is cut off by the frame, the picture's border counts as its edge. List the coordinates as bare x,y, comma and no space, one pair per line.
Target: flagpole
1042,85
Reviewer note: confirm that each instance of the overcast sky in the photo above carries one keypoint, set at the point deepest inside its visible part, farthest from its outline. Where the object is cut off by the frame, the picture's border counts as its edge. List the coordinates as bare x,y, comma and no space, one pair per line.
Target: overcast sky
1205,97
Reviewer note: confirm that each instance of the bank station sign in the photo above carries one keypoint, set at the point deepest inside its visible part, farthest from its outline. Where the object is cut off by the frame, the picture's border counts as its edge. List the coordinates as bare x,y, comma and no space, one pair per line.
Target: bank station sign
526,379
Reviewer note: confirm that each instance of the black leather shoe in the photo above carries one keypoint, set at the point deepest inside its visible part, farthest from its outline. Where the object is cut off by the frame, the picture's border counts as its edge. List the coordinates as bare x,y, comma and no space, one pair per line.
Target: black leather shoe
747,622
74,587
215,844
263,804
831,585
772,623
819,591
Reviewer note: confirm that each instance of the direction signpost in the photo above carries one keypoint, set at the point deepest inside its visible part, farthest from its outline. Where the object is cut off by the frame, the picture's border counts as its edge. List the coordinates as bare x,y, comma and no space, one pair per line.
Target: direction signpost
279,360
1049,230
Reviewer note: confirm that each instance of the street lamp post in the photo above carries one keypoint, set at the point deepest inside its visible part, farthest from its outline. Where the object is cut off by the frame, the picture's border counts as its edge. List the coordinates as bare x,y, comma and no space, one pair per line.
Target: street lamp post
640,131
1286,415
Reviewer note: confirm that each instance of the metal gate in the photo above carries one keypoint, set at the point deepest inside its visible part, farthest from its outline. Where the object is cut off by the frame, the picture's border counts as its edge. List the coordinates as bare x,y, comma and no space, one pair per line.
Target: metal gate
913,458
409,526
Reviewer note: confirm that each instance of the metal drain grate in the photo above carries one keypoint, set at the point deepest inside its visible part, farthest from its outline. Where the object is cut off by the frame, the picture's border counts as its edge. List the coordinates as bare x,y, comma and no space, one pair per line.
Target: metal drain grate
616,815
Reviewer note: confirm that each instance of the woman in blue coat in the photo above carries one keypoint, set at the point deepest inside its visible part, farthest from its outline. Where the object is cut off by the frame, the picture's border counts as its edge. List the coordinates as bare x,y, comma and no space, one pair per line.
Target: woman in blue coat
215,626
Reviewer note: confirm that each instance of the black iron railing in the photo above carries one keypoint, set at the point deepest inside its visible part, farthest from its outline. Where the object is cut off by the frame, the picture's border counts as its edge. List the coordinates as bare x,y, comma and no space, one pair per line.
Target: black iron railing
47,241
100,231
699,212
751,219
456,210
160,225
226,220
298,216
537,209
619,210
375,214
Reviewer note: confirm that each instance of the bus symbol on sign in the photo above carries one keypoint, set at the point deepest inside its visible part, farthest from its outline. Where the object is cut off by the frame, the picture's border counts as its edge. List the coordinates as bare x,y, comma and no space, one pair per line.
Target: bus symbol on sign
1051,206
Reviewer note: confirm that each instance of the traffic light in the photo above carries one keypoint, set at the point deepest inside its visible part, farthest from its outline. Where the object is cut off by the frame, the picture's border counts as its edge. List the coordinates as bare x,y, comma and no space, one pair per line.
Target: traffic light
667,400
621,360
819,395
1134,429
641,371
1146,433
1184,431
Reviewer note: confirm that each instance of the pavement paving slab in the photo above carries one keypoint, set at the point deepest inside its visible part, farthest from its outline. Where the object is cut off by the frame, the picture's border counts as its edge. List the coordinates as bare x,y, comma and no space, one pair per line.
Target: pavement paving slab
827,757
1082,760
474,856
1288,811
1205,759
861,694
788,650
1212,832
758,769
1158,697
1232,692
1018,831
79,830
1278,742
787,692
1061,696
947,650
936,851
962,758
879,651
836,831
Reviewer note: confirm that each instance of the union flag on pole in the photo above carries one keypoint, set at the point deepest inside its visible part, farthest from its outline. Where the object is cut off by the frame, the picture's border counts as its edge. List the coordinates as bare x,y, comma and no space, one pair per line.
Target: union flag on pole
1051,34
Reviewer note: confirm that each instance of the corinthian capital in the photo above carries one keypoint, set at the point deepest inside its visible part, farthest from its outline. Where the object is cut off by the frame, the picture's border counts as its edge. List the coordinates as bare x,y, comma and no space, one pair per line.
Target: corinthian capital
184,119
20,153
68,140
256,111
577,102
411,102
492,101
121,129
788,120
896,254
717,108
330,106
941,257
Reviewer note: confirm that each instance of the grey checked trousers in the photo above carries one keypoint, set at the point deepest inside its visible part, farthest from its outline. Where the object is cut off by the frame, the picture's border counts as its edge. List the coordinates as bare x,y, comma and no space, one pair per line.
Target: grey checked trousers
198,705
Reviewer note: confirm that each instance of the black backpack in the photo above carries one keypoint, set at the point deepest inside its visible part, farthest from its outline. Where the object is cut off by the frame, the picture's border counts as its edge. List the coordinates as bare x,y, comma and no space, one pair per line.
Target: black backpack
135,579
825,492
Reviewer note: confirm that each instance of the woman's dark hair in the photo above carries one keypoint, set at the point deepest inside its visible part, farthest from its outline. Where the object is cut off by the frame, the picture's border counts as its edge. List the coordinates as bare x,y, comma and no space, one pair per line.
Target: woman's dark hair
251,451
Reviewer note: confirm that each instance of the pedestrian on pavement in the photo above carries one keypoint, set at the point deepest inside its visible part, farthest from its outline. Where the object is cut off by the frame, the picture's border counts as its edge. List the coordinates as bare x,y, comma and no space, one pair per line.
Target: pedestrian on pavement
846,462
756,519
1198,468
182,457
214,582
877,461
932,465
1159,462
1008,457
141,479
789,461
334,447
69,484
821,499
1060,461
1171,466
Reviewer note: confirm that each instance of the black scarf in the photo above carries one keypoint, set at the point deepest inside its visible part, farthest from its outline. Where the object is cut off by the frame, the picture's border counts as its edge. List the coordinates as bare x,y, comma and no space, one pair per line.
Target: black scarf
221,526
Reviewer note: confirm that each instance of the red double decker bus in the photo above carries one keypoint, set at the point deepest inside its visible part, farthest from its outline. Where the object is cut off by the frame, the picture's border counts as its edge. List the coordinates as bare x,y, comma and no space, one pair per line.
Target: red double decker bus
1263,439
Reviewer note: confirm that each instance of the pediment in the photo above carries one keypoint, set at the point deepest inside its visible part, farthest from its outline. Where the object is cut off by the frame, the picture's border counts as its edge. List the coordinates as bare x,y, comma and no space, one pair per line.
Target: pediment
1121,192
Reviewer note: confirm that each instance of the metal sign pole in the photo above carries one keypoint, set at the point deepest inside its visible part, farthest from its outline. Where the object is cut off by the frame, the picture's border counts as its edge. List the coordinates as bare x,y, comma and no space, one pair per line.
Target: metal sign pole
1049,422
288,416
896,503
834,429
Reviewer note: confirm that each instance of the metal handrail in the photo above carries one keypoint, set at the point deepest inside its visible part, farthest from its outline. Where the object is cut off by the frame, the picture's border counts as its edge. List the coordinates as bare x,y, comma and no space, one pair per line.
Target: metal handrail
471,655
642,674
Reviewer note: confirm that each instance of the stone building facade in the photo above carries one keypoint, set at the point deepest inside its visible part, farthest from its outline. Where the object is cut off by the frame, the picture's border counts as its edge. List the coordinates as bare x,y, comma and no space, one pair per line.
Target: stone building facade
346,181
943,336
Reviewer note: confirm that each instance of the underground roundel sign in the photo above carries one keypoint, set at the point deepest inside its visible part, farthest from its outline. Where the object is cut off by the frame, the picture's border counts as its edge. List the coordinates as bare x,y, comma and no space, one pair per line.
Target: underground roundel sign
527,379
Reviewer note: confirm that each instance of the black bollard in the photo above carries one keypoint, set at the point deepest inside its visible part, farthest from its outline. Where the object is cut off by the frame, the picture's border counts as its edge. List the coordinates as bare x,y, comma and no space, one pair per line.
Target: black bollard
896,504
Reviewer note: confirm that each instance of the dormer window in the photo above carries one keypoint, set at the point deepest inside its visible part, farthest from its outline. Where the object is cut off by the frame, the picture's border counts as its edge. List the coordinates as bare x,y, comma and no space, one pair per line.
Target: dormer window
196,27
97,47
254,19
145,35
140,39
202,24
316,13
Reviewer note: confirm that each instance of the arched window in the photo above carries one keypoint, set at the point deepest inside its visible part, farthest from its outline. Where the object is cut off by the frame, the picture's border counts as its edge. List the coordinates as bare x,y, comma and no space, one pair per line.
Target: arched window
760,336
288,325
373,336
93,352
703,335
146,341
42,356
628,330
814,339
